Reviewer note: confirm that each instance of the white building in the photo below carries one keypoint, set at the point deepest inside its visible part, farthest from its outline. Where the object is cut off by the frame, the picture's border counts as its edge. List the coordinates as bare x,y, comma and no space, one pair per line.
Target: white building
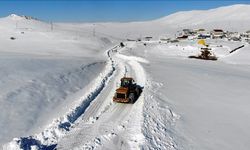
218,33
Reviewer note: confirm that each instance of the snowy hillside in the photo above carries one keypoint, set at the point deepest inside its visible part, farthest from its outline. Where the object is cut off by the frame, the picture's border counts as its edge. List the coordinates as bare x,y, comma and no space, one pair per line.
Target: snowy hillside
40,70
234,17
58,81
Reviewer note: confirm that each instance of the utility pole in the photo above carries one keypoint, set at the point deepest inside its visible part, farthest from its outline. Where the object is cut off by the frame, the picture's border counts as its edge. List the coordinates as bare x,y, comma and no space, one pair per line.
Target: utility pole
51,26
93,30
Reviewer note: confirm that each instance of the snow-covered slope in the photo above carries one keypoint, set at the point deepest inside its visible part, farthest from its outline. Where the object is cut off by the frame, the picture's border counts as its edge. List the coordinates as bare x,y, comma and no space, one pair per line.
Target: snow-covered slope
41,70
234,17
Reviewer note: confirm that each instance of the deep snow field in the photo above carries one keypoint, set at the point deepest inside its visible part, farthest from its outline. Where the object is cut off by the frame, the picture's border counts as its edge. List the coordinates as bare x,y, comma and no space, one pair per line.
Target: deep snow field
57,83
211,98
40,71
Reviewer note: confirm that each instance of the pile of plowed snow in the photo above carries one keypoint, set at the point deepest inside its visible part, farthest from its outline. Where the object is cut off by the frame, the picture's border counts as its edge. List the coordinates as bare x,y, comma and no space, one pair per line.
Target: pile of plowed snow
43,72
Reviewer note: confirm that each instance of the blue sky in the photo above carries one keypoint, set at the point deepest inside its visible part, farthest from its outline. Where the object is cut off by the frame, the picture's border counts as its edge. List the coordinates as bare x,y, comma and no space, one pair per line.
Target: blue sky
105,10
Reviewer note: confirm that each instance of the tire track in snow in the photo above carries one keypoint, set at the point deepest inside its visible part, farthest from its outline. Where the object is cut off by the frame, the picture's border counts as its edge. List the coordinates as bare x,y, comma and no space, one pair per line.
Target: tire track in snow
119,126
86,128
128,134
156,123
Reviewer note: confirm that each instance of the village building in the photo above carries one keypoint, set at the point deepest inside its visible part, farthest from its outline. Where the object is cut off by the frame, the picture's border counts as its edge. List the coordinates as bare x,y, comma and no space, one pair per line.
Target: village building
188,32
245,34
148,38
218,33
165,39
233,36
174,41
131,40
183,37
204,36
199,31
247,40
201,34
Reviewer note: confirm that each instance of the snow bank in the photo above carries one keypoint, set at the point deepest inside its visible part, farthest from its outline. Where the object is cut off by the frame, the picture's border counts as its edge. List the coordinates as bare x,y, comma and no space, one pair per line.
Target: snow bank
49,137
42,71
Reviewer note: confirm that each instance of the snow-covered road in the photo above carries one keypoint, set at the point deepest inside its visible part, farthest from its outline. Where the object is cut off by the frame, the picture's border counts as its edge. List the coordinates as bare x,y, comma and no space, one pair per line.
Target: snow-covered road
96,120
108,125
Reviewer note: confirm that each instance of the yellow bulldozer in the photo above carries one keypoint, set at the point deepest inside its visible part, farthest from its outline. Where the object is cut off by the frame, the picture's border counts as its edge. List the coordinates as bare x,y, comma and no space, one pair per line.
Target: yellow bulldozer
206,53
128,92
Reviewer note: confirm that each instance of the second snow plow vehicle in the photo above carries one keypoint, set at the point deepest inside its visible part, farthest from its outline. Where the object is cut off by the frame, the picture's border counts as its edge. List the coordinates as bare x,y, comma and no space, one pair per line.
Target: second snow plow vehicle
128,92
205,54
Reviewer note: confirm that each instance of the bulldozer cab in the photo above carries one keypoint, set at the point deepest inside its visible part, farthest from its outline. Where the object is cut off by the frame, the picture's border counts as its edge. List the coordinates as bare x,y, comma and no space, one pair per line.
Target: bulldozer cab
205,53
126,82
